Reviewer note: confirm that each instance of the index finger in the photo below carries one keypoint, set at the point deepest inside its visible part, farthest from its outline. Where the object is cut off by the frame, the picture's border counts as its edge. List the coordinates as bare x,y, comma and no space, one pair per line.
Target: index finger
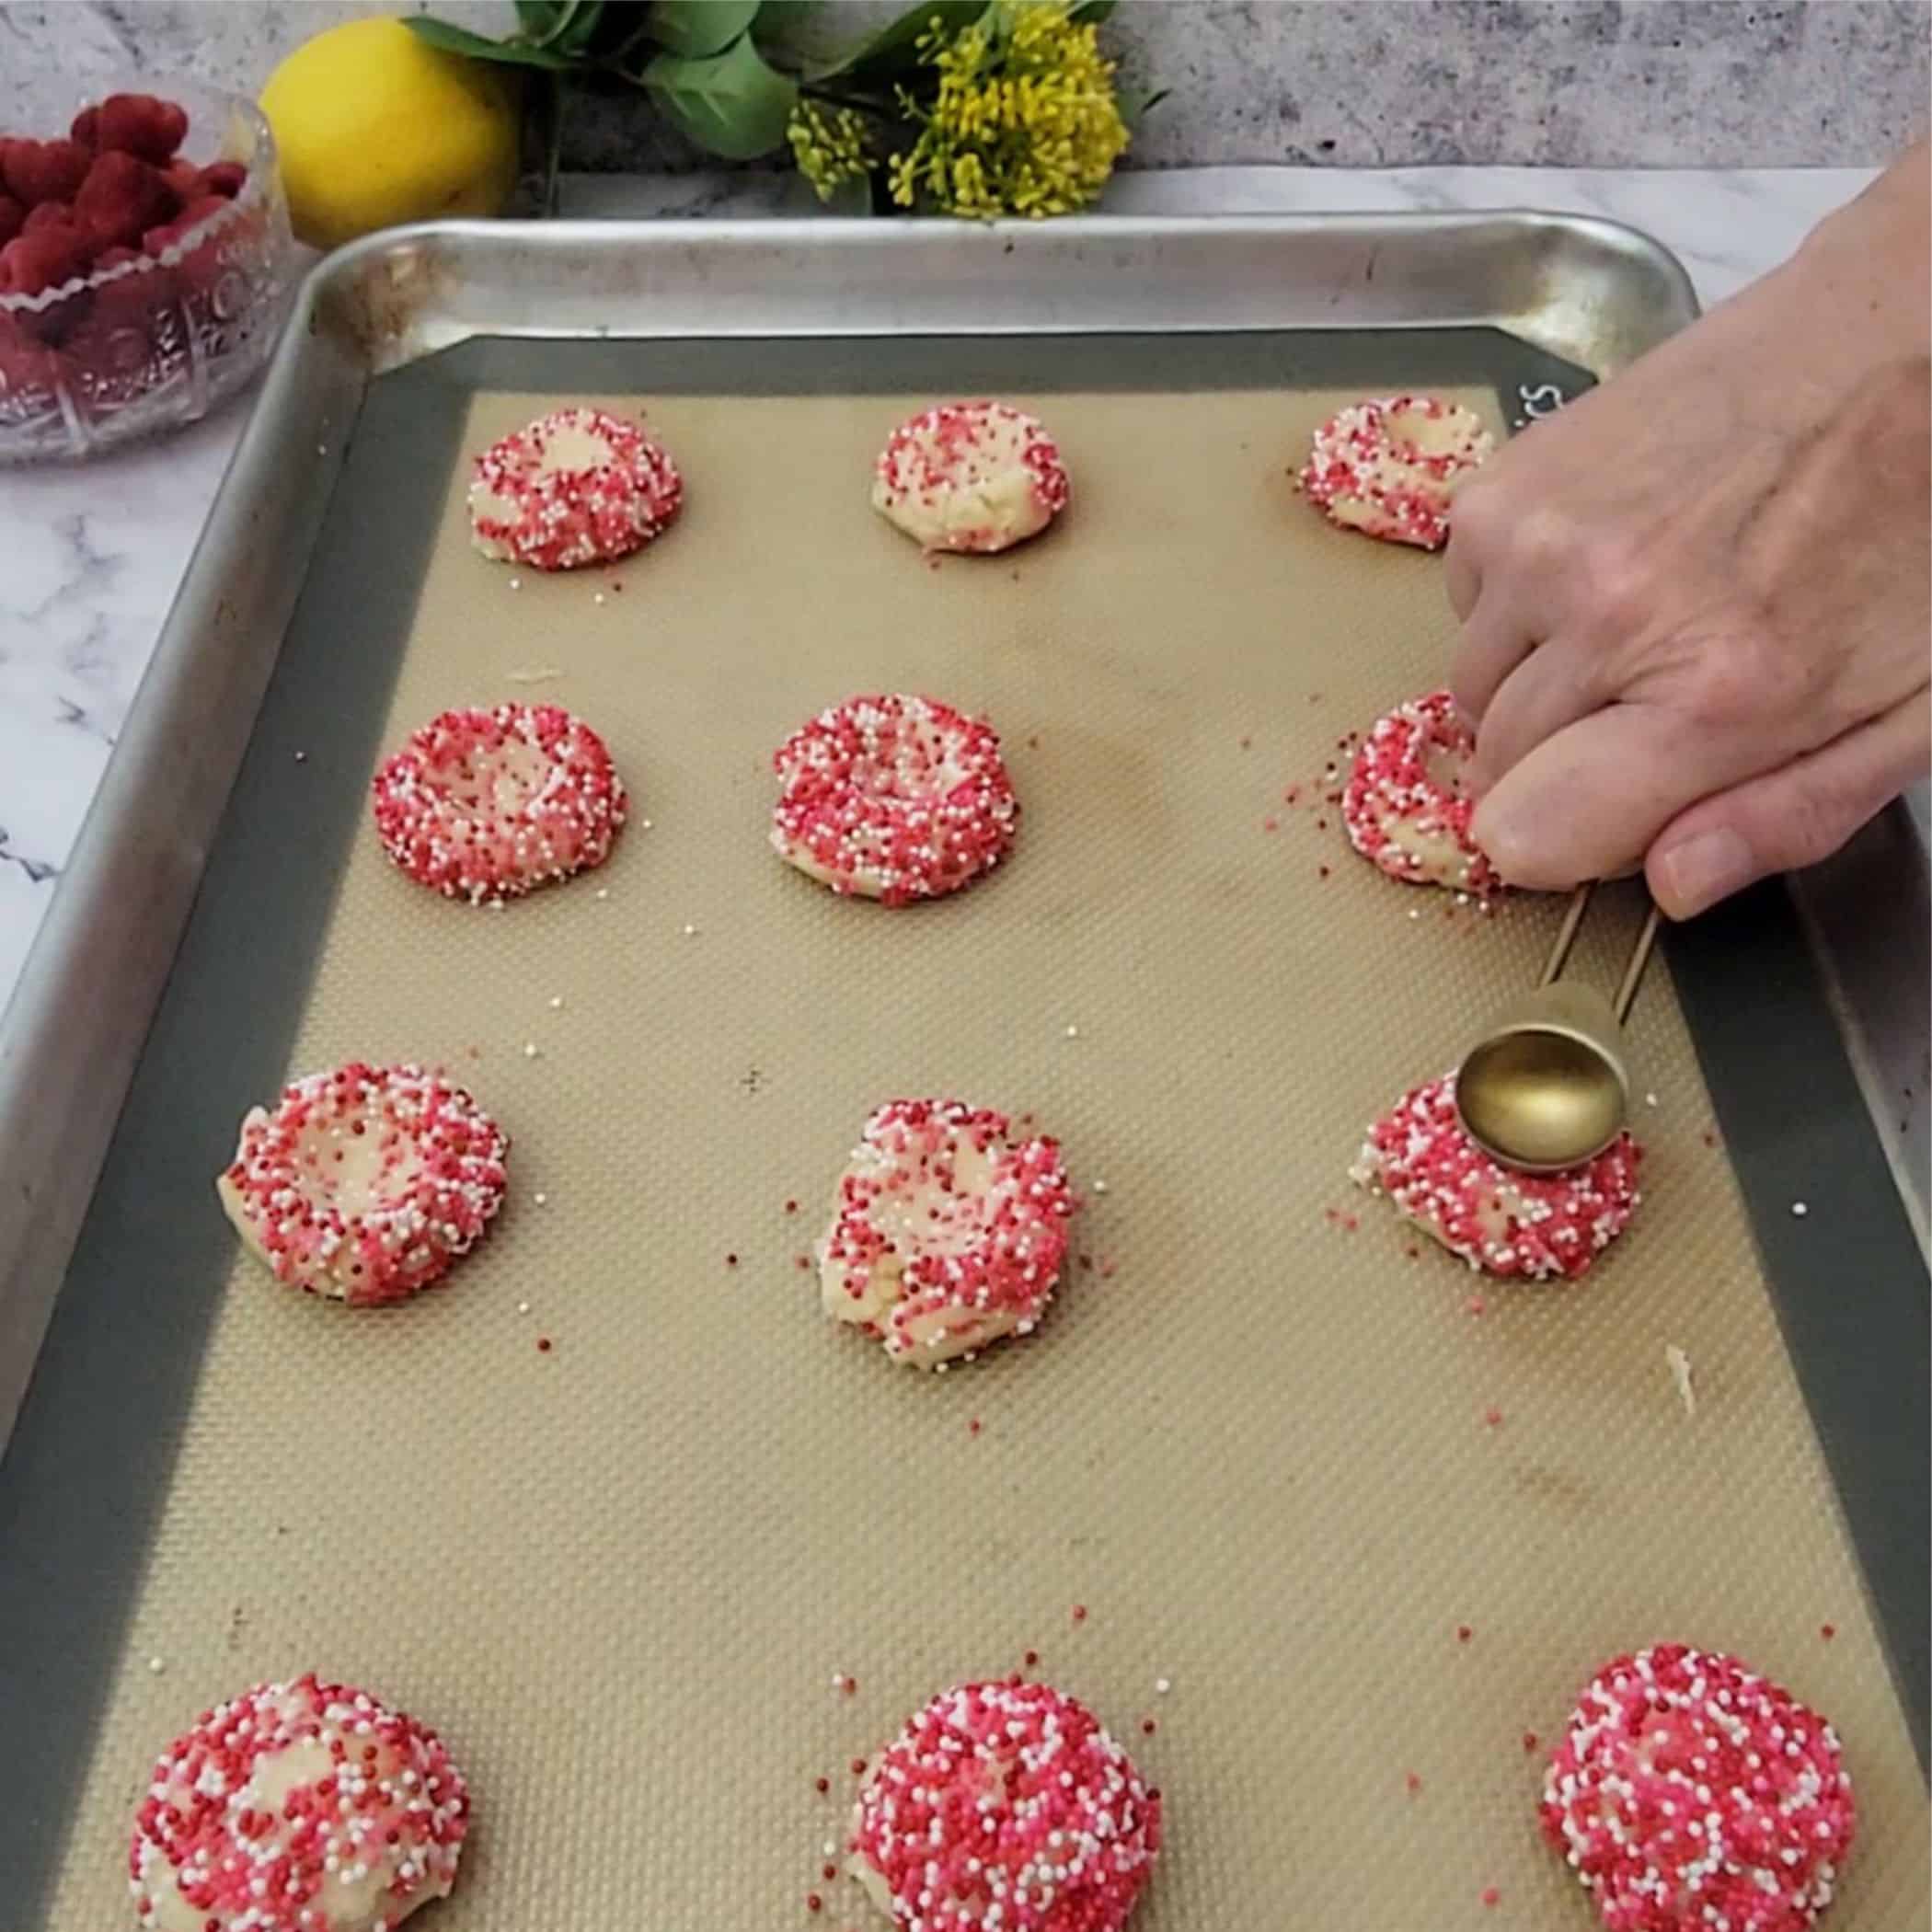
1493,642
1462,574
1587,802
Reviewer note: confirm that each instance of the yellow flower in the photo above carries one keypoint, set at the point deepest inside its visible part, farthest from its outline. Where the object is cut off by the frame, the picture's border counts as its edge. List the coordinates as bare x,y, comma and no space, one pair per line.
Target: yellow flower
1024,121
831,148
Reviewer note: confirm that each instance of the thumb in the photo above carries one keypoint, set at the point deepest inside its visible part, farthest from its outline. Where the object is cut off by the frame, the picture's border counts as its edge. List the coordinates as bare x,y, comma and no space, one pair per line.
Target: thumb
1794,816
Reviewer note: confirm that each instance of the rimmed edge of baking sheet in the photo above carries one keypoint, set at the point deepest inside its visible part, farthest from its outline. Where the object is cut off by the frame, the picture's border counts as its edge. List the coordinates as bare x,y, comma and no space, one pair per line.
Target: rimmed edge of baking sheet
1803,1020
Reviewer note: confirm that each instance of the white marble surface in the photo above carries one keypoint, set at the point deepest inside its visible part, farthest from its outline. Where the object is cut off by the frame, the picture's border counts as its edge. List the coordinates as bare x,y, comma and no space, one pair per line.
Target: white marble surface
1340,83
93,555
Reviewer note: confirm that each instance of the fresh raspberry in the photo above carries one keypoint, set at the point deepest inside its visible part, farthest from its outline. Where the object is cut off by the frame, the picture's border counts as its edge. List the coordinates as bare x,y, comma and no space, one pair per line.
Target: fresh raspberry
141,124
32,263
37,171
86,127
122,197
166,236
12,216
222,178
49,214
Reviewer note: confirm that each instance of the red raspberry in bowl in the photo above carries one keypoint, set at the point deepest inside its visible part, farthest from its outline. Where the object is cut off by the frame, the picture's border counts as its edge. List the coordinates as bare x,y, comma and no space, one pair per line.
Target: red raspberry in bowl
50,258
122,197
165,236
37,171
140,124
30,264
222,178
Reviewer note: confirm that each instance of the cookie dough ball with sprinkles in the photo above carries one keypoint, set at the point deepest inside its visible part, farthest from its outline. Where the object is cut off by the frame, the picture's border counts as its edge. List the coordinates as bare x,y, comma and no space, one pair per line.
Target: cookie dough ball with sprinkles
1690,1794
367,1183
301,1807
893,799
576,487
948,1232
487,805
972,475
1005,1806
1403,806
1499,1219
1390,466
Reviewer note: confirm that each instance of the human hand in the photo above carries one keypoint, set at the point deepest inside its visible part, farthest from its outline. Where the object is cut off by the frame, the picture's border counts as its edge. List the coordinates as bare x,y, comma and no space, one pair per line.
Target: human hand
1696,603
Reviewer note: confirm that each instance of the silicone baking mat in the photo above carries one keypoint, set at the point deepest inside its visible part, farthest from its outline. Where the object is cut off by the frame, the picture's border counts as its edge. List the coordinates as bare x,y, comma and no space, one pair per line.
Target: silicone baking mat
1264,1450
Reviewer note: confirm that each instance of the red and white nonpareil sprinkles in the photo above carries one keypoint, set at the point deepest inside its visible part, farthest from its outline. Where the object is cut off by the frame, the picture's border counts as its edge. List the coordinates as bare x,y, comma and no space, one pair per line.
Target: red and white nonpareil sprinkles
487,805
366,1183
1542,1226
1402,806
1390,466
1691,1795
1004,1808
303,1807
893,798
577,486
947,1234
971,476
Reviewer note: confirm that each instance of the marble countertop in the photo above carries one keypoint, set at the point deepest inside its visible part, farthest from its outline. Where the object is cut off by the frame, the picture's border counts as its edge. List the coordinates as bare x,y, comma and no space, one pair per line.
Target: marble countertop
93,554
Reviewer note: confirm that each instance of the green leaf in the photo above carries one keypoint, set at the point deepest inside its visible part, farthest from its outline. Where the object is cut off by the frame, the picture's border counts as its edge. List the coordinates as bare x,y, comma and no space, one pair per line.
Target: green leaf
563,26
1090,13
732,103
895,48
779,17
1136,106
577,26
700,27
459,39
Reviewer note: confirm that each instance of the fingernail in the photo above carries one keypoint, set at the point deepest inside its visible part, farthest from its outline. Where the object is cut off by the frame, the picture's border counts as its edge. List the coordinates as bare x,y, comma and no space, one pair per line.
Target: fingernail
1703,868
1496,833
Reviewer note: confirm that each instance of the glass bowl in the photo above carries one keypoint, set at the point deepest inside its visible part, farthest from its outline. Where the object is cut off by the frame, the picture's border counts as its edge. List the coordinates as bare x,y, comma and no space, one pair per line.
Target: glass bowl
151,342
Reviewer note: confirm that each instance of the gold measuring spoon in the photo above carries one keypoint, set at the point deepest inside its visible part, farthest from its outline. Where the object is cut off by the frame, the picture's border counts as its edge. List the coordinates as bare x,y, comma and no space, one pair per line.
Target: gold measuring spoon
1546,1087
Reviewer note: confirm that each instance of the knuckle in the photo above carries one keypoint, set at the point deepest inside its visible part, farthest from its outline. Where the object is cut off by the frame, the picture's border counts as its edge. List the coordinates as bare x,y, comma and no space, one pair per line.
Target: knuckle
1729,680
1543,537
1619,584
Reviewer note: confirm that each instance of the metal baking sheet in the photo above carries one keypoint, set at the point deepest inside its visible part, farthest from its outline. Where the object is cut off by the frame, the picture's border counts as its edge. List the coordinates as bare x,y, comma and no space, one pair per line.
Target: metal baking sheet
147,1358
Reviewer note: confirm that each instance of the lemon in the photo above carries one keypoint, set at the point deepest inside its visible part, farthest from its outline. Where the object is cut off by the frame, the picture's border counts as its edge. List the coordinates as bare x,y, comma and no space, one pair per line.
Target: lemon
376,127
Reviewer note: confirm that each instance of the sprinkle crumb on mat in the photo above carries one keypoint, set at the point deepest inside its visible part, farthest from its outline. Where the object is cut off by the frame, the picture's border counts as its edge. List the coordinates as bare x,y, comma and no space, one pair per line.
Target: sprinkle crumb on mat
1679,1365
